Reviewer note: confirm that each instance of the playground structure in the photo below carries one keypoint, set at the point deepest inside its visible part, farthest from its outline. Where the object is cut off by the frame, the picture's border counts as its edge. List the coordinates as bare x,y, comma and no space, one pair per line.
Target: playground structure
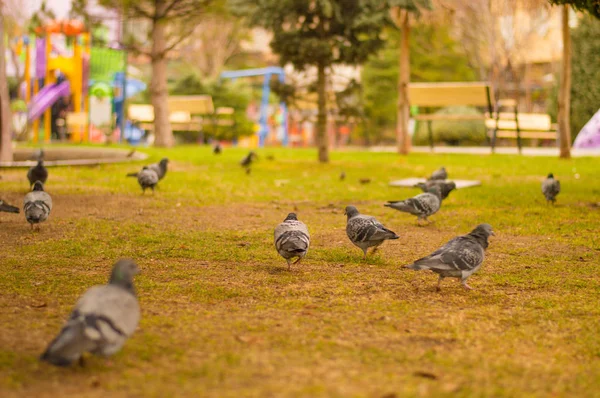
263,130
93,78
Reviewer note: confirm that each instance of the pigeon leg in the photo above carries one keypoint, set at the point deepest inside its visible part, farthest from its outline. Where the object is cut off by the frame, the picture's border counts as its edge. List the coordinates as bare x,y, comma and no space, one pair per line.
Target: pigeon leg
365,251
81,362
297,261
439,284
464,283
31,227
289,264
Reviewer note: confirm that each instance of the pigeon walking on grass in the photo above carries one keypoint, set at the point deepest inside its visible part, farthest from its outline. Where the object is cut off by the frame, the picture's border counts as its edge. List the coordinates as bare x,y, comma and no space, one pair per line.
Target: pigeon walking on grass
445,186
159,168
102,320
422,205
217,149
292,239
440,174
37,205
246,162
147,178
550,188
459,258
37,173
365,231
5,207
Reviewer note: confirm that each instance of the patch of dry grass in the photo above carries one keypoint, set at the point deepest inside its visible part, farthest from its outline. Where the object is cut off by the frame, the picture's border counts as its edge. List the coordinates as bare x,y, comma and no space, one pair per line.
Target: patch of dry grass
223,317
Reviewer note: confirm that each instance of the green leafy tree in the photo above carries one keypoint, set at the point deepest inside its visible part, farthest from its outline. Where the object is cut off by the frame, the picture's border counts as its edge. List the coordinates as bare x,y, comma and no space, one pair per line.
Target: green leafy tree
564,97
320,34
160,27
435,57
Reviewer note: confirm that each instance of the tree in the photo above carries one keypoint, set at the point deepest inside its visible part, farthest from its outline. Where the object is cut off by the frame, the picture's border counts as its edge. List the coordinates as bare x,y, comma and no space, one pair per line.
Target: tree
564,96
320,34
169,23
402,11
6,154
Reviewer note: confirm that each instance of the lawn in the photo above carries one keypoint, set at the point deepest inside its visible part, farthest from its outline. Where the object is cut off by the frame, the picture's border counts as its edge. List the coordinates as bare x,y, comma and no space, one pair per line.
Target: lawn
223,317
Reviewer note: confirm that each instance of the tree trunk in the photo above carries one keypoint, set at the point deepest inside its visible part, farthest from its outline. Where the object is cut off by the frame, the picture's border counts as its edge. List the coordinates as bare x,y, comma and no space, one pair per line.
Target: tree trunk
322,137
564,96
402,134
6,154
158,84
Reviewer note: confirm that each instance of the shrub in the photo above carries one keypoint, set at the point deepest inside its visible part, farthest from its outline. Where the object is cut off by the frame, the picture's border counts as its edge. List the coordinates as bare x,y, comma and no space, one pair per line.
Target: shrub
464,132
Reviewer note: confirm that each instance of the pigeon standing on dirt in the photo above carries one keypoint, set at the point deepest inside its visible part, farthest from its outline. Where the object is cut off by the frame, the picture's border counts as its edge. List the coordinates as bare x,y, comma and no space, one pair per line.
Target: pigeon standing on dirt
37,173
459,258
159,168
37,204
550,188
445,186
365,231
102,320
440,174
422,205
147,178
5,207
292,239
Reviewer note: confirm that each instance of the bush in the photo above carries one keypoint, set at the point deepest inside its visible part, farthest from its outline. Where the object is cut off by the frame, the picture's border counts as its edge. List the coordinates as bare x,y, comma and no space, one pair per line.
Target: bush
454,133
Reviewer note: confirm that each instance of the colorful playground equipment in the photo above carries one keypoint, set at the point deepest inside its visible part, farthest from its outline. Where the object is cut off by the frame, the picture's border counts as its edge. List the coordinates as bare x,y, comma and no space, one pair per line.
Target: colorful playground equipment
59,74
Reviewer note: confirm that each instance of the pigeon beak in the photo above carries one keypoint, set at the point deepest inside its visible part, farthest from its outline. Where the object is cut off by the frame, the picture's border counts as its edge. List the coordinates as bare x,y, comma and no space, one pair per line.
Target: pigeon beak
492,233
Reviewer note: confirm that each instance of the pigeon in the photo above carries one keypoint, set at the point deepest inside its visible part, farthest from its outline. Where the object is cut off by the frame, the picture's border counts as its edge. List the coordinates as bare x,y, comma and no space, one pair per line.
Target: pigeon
445,186
364,180
102,320
217,149
37,204
37,173
292,239
8,208
422,205
365,231
459,258
159,168
147,178
342,176
248,159
440,174
550,188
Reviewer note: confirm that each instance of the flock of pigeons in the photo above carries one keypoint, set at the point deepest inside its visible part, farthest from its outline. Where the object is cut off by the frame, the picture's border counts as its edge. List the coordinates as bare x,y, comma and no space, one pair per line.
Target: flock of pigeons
106,316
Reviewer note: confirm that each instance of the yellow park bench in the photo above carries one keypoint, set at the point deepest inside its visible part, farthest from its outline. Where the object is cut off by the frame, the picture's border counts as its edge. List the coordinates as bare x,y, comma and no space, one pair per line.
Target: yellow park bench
184,112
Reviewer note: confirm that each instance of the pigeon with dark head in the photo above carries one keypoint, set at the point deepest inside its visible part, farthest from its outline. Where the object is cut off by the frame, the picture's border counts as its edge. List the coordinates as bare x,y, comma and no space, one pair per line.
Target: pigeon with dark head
292,239
422,205
445,186
217,149
440,174
550,188
37,204
459,258
5,207
37,173
246,162
102,320
159,168
365,231
147,178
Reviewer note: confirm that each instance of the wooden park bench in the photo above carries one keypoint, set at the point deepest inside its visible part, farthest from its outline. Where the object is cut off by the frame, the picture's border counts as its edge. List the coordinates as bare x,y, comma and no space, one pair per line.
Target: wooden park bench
438,95
185,112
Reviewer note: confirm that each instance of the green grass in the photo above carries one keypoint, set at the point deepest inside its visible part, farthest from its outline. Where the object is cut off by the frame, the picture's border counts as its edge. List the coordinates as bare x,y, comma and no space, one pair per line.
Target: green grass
222,316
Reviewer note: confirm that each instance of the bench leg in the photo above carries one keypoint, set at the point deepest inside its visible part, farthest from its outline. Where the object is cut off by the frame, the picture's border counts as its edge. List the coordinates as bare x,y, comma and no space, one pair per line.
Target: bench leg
430,131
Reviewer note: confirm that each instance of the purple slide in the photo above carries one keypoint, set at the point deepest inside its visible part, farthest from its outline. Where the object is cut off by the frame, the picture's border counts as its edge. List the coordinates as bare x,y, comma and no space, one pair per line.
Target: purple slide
46,97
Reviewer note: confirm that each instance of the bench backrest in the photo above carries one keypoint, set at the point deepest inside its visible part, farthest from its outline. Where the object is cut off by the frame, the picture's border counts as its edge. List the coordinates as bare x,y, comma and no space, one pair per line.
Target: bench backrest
193,104
141,113
448,94
527,121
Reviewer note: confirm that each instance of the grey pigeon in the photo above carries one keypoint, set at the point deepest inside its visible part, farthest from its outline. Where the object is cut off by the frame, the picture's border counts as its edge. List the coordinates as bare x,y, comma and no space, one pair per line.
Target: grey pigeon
292,239
159,168
37,204
8,208
440,174
459,258
365,231
422,205
246,162
445,186
550,188
37,173
102,320
217,149
147,178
